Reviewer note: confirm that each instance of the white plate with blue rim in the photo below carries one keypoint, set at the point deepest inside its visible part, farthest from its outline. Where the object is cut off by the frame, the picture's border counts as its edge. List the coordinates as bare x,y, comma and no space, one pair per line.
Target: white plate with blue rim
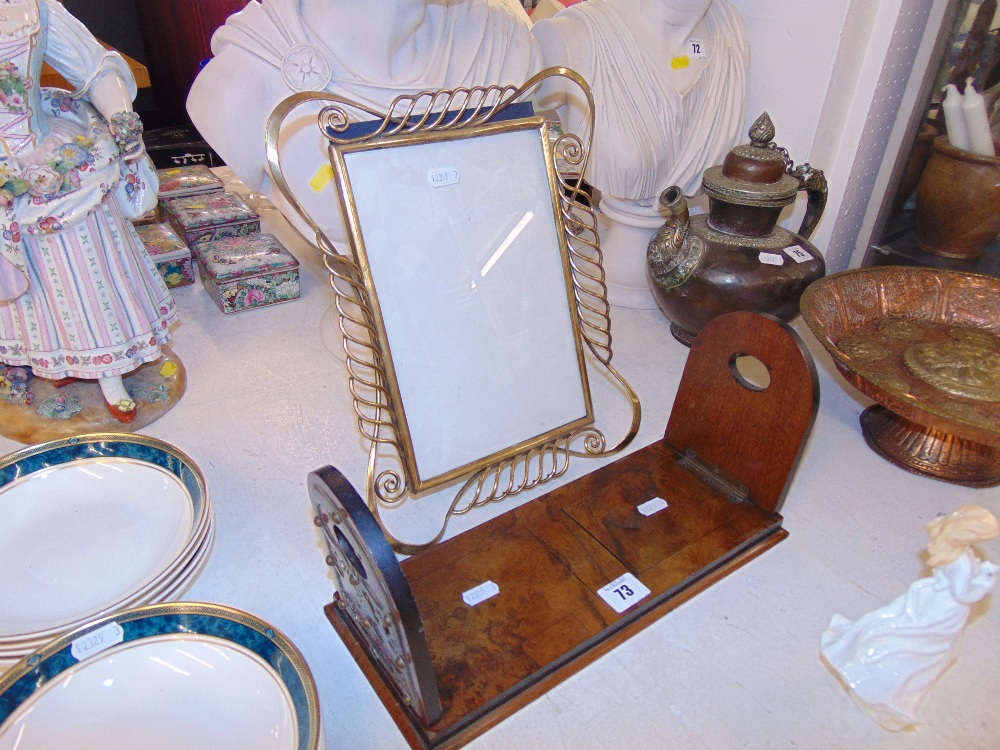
92,524
161,677
12,653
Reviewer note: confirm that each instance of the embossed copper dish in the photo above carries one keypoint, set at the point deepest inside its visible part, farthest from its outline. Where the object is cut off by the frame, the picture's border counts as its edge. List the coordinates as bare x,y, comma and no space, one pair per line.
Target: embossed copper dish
925,345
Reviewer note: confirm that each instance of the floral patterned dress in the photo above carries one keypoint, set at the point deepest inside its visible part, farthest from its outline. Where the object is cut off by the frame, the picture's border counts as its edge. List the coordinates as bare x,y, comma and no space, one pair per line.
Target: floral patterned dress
79,296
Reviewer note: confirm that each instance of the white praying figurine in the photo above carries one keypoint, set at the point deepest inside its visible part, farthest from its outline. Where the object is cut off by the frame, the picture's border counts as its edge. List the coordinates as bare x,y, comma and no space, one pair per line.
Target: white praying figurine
369,52
891,658
669,85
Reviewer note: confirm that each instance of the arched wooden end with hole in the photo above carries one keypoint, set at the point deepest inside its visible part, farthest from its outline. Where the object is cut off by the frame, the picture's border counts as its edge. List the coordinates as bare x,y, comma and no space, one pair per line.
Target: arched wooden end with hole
755,434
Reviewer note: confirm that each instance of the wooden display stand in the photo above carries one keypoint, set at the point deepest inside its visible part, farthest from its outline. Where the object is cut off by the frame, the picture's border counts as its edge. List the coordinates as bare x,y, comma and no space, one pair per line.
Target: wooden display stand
447,671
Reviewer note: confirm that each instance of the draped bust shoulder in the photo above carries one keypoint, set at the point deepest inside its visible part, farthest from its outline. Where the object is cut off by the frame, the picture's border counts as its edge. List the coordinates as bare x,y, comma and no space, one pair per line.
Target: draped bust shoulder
669,79
370,52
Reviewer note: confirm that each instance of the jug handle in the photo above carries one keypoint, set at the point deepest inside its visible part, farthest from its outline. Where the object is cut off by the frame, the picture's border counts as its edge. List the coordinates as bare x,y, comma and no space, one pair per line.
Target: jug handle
813,181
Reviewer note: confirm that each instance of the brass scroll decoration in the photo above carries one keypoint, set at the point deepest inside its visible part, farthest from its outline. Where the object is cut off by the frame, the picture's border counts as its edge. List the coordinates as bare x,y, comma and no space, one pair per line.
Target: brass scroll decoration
427,112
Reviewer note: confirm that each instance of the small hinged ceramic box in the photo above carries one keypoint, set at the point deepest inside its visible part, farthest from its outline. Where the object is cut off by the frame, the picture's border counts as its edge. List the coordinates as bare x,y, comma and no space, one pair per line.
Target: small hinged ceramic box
245,272
168,251
204,218
178,182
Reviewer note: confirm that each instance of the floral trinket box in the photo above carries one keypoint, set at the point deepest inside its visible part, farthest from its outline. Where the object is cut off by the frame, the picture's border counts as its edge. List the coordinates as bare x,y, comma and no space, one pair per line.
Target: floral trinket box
242,273
209,217
181,182
178,182
168,251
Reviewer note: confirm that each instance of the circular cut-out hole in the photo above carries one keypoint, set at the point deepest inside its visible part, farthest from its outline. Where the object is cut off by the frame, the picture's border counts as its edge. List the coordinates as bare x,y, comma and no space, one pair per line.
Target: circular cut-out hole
750,372
348,548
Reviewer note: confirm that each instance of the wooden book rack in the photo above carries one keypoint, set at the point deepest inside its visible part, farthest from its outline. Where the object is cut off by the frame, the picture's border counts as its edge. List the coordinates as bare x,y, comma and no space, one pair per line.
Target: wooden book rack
448,670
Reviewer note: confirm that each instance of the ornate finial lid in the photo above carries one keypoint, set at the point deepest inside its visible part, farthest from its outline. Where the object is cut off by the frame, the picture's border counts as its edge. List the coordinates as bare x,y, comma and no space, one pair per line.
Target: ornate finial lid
753,173
762,131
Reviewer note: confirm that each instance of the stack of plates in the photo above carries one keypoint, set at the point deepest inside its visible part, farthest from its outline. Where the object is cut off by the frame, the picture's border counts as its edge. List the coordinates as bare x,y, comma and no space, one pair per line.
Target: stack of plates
92,525
163,676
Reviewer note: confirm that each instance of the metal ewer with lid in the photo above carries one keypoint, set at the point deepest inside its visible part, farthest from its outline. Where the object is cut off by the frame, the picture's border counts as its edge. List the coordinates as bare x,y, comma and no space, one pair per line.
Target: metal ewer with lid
736,257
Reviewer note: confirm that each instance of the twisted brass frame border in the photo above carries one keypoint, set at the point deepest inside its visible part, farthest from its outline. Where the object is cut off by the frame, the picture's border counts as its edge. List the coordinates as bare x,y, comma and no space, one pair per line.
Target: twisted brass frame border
430,112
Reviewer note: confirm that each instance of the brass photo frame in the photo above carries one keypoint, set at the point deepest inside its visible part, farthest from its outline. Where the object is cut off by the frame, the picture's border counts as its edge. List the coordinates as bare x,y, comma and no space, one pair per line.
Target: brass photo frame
474,292
463,259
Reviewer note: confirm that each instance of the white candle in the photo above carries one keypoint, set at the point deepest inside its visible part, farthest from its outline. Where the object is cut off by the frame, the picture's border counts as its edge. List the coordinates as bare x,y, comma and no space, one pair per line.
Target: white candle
977,122
954,120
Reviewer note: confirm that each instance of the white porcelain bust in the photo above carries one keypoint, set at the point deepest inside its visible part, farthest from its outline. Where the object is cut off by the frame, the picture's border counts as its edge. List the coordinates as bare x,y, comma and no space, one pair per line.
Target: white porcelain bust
669,83
368,51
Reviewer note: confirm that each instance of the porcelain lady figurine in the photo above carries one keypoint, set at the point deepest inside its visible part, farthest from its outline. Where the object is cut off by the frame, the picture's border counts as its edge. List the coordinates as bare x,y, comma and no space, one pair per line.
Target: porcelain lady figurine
79,296
669,82
370,52
891,658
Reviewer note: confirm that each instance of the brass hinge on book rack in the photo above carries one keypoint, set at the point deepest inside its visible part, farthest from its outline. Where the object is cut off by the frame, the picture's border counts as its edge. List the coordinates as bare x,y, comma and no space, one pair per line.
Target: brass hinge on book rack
714,477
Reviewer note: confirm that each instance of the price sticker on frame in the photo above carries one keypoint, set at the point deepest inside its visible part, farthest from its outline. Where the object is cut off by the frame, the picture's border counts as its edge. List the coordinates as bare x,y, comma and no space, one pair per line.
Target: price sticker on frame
623,592
442,176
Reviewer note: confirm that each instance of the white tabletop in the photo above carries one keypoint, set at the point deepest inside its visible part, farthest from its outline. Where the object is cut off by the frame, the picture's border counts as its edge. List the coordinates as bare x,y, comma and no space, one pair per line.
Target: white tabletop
736,667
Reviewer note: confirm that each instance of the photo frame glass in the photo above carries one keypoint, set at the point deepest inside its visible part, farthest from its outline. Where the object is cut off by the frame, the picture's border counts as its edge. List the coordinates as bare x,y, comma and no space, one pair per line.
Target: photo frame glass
461,244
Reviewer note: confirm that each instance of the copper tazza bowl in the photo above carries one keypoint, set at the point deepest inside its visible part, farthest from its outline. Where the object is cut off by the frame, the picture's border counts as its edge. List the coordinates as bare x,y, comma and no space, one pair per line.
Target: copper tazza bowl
925,345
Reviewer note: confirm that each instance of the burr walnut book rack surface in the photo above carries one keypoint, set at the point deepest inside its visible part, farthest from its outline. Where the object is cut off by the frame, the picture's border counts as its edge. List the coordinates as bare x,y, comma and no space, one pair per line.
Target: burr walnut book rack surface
463,634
